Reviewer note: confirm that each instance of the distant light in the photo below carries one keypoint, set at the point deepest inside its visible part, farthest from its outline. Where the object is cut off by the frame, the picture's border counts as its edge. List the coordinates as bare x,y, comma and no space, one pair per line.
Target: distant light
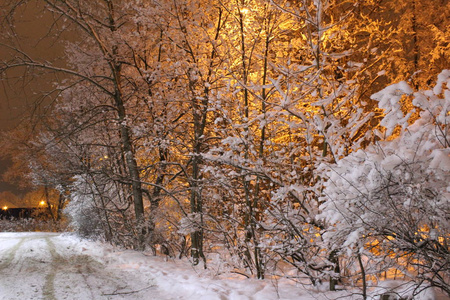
42,203
5,207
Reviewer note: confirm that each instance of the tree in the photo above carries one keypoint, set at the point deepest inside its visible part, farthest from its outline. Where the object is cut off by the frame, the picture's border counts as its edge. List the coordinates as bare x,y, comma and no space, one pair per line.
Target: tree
100,74
37,165
391,199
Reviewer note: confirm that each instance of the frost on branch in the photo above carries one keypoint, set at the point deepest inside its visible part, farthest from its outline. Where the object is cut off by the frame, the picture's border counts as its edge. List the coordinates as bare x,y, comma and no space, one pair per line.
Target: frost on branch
191,223
391,200
389,99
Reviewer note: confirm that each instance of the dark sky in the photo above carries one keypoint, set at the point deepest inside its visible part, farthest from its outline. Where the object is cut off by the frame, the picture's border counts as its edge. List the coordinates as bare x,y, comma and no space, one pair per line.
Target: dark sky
20,93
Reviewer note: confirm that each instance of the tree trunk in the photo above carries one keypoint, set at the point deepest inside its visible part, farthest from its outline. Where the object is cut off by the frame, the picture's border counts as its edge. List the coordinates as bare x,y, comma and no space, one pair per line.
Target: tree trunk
363,275
125,135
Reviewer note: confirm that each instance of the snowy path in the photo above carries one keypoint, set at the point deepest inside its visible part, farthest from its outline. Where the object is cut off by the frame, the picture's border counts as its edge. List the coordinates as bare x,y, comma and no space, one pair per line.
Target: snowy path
47,266
59,266
52,266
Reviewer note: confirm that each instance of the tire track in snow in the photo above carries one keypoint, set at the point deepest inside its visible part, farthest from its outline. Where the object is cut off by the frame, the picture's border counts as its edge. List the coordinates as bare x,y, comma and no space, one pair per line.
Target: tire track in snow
87,277
18,262
8,257
80,265
46,266
48,290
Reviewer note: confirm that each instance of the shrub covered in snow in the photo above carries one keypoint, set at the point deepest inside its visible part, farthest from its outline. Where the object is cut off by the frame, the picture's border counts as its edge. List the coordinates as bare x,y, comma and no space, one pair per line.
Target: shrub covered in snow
27,225
389,204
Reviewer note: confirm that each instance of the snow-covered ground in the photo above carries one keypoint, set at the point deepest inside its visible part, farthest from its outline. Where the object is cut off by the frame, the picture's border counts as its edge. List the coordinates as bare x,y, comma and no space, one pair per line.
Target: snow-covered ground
61,266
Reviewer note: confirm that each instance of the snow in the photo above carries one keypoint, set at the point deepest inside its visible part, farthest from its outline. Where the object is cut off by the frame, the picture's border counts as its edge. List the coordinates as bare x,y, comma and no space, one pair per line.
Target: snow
62,266
389,99
396,289
443,78
441,159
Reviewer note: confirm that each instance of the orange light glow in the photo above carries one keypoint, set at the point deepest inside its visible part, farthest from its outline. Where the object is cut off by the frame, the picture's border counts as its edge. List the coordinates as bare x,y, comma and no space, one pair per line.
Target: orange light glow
244,11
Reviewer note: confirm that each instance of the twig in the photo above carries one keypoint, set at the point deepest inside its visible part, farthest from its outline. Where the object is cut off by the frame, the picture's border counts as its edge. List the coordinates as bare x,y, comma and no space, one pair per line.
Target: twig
127,293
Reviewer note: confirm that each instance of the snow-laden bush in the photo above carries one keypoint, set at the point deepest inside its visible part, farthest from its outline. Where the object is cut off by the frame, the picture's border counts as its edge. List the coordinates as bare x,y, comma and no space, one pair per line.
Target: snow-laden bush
82,212
388,206
27,225
99,209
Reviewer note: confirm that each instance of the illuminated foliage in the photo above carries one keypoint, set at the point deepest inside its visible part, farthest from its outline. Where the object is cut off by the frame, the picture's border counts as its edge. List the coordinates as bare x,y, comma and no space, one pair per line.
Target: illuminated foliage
393,197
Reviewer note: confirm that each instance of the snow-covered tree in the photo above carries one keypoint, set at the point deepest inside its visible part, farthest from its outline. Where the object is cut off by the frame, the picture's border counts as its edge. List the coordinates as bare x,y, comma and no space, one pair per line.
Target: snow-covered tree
389,203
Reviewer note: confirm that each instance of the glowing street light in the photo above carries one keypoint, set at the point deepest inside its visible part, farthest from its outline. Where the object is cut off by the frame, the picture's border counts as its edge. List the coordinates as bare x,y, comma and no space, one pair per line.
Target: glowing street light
42,203
5,207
